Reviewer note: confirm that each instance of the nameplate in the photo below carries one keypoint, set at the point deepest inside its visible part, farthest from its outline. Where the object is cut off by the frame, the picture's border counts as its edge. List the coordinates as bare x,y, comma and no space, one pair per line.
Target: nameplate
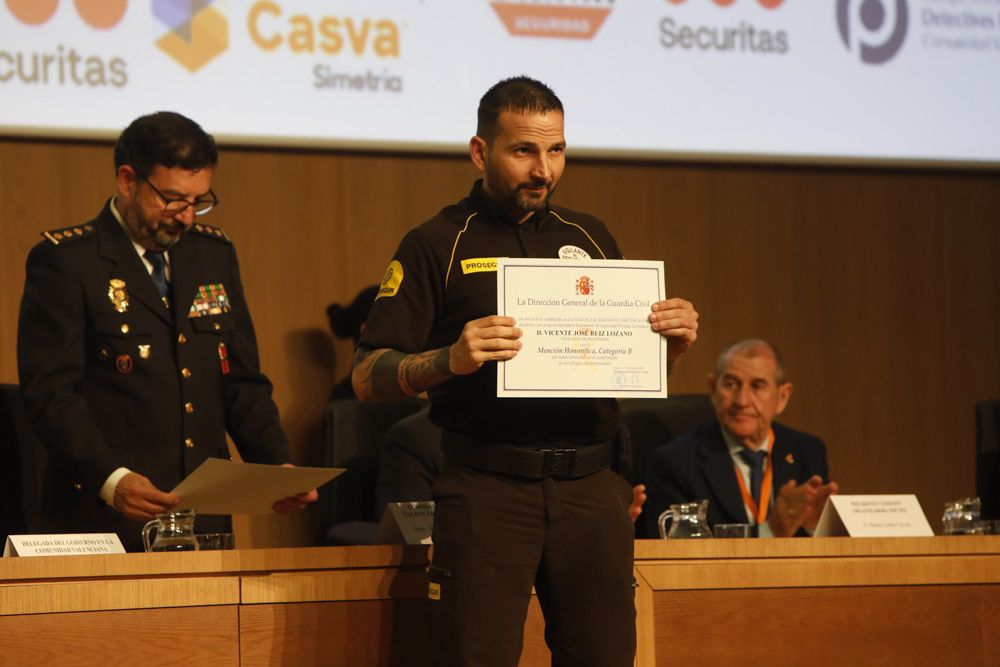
83,544
873,516
406,523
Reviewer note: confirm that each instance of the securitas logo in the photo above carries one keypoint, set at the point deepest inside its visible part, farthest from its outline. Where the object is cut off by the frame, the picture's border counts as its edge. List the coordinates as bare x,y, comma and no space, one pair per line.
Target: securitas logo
63,64
196,33
99,14
572,19
874,29
731,37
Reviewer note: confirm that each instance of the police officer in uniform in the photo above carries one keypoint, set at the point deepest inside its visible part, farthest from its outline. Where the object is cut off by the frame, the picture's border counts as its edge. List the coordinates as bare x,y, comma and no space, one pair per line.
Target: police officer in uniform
528,495
136,351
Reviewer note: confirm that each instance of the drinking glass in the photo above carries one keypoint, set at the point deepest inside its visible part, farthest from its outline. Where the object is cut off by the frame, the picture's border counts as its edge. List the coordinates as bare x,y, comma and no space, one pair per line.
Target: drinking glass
216,541
731,530
960,516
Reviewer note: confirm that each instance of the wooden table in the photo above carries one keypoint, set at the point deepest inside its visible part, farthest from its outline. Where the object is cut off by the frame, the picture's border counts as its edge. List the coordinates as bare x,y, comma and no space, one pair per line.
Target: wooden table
836,601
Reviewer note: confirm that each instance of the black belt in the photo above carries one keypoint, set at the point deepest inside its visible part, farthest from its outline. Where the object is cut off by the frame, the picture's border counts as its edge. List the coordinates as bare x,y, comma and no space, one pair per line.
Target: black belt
534,462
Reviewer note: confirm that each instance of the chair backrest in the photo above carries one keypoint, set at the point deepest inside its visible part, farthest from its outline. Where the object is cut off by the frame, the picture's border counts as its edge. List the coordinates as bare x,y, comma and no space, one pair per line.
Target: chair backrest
988,457
354,430
23,463
652,422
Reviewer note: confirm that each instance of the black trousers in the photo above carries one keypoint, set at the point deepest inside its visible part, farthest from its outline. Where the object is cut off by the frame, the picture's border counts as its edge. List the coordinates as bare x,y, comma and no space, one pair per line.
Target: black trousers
496,536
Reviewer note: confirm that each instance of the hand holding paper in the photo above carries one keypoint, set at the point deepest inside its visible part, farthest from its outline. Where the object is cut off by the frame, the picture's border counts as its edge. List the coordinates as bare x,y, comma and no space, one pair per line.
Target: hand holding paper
492,338
137,498
229,487
294,503
676,320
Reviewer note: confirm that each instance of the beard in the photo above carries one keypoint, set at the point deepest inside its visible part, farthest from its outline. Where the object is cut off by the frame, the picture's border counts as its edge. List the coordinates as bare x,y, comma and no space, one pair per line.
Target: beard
159,235
165,237
528,204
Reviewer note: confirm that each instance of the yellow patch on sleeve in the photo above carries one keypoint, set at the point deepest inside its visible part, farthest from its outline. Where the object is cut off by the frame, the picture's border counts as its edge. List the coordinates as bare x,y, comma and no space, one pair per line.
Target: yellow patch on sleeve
391,281
433,591
479,264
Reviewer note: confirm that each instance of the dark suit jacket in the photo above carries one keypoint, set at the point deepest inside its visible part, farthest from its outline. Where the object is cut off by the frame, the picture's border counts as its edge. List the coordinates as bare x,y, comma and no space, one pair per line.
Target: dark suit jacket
697,466
145,388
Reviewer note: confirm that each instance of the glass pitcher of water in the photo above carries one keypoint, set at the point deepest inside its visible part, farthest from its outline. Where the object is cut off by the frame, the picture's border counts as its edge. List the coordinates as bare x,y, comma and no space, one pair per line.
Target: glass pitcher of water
174,532
687,520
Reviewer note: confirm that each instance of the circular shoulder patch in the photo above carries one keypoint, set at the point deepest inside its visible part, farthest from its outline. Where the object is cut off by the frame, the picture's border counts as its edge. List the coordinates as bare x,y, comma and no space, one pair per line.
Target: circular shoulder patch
391,281
572,252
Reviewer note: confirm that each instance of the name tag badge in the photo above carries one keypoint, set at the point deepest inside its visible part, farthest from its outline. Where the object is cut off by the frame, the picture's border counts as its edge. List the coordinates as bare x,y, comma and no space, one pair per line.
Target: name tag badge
479,265
572,252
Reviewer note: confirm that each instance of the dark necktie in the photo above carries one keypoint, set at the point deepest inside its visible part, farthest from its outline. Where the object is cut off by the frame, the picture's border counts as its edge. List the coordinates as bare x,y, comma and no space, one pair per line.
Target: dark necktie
159,270
756,462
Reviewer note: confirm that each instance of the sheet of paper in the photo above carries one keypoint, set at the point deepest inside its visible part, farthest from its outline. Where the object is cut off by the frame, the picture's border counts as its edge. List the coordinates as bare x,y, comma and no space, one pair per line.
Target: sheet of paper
873,516
586,328
219,486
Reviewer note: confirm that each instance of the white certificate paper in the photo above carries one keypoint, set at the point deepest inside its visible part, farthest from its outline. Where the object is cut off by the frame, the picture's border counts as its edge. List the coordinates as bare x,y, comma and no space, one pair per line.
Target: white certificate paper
219,486
585,326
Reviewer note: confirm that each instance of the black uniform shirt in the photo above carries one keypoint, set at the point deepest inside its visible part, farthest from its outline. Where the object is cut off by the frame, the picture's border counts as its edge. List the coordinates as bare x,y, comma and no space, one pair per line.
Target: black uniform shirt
443,275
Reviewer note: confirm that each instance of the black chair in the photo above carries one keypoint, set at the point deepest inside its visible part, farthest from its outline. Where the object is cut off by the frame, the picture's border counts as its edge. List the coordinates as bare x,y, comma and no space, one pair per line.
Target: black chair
23,465
988,457
653,422
354,431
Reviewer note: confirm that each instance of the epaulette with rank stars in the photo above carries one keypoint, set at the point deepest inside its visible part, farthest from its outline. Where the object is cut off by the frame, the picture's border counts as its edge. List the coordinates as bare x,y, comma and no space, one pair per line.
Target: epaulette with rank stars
59,236
210,231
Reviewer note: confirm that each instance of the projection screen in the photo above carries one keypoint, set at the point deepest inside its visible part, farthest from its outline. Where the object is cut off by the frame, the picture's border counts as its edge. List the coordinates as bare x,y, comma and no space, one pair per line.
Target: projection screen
910,81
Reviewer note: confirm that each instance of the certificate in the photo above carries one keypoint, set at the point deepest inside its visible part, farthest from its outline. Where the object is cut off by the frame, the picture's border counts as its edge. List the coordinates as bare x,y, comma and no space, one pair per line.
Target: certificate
585,327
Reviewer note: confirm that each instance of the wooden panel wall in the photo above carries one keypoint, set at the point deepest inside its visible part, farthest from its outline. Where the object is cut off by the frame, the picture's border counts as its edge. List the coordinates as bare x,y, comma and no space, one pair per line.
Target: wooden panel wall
882,287
876,625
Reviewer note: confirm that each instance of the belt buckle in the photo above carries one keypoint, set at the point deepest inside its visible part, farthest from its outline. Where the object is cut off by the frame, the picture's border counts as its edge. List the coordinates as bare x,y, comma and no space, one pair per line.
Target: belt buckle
558,462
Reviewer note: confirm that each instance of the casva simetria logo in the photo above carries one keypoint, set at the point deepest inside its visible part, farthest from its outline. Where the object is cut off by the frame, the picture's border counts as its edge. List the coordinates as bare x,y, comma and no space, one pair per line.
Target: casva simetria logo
196,33
99,14
574,19
875,29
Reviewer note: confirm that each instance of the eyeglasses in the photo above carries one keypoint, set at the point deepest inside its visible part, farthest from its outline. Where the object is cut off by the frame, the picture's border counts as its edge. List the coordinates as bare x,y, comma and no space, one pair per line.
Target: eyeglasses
177,206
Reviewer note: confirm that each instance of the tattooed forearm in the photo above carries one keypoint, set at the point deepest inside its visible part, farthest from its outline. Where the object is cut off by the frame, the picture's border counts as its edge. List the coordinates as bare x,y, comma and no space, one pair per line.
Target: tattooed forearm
373,378
388,374
420,372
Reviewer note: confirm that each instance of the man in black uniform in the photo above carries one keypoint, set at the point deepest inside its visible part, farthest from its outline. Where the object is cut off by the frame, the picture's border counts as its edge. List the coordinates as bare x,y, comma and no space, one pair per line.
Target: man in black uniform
136,351
527,495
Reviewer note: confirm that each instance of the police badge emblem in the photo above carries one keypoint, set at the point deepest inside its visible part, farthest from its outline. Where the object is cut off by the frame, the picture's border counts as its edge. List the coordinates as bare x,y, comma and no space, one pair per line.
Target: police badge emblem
118,294
123,363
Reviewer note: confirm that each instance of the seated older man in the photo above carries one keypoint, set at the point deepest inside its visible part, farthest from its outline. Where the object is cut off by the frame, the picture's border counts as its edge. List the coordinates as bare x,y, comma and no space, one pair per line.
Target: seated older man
750,468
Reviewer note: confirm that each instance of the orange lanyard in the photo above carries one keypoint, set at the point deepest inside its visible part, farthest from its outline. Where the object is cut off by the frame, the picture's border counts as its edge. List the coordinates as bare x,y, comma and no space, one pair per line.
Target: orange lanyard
765,487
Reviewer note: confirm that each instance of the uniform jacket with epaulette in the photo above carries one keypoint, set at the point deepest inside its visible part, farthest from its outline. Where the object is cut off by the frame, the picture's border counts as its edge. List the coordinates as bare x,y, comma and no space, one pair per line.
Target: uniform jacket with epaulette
112,376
